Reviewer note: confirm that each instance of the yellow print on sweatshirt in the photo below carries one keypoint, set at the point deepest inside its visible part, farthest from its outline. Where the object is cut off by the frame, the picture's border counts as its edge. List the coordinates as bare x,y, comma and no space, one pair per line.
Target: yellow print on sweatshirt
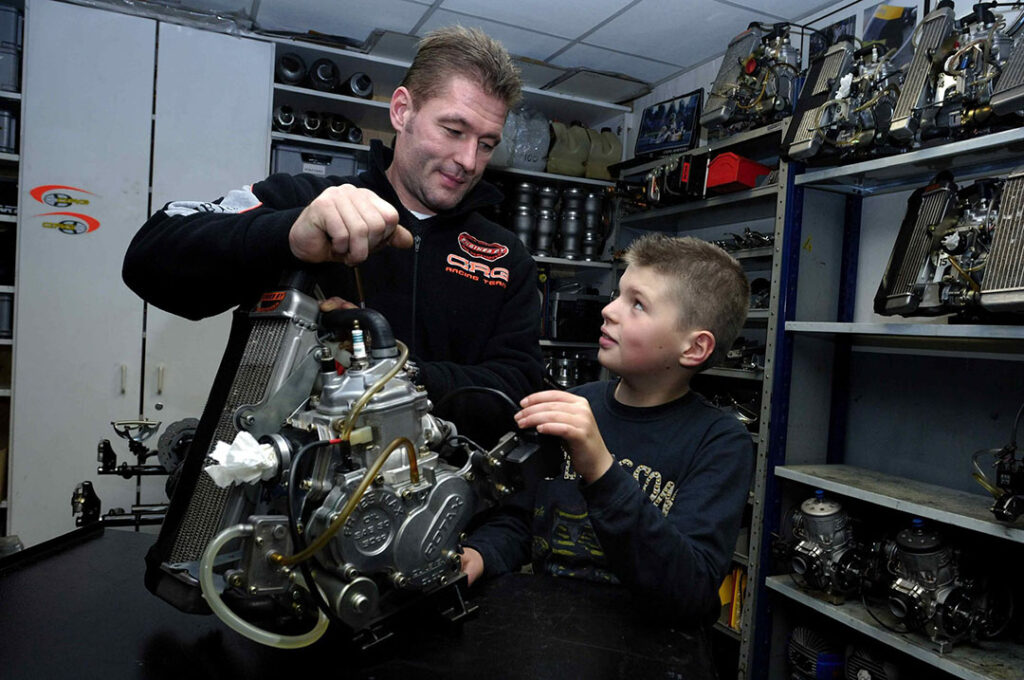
663,495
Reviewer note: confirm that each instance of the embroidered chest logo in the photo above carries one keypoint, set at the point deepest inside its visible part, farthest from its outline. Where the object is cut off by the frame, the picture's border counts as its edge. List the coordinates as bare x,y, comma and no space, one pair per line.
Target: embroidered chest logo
478,271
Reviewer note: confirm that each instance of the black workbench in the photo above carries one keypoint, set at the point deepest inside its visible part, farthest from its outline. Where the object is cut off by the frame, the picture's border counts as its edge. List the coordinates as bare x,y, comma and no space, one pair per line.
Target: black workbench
79,610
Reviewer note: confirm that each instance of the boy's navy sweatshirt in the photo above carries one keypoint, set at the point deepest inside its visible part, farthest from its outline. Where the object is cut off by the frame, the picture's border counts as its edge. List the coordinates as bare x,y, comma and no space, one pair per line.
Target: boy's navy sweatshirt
464,298
662,521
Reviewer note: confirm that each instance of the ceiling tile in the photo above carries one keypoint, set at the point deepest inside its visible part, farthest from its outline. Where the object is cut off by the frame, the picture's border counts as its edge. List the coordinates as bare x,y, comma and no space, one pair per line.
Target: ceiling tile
588,56
787,9
569,19
356,20
679,32
518,41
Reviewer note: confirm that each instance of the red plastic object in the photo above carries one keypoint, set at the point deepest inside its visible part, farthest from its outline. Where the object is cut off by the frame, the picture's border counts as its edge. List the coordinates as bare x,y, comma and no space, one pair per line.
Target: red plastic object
729,172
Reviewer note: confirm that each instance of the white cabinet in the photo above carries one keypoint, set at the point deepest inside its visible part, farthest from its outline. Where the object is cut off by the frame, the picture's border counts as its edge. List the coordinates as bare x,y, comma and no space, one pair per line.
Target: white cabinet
90,122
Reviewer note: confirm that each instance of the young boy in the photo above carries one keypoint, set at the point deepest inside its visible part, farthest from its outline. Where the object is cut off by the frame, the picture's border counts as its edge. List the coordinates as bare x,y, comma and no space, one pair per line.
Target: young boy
656,478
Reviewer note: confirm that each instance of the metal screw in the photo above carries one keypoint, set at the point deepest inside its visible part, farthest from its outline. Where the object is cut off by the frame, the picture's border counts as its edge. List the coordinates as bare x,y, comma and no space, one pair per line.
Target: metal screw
249,419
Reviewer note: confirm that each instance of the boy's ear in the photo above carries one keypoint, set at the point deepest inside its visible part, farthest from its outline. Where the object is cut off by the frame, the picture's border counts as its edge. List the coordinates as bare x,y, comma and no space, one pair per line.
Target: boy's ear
697,347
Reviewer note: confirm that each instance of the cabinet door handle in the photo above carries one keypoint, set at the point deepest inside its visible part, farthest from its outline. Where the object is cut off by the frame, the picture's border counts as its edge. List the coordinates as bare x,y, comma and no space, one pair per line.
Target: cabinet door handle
124,378
160,379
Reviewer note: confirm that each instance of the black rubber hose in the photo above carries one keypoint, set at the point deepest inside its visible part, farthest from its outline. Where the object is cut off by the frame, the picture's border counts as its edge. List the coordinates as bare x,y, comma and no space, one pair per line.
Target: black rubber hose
382,338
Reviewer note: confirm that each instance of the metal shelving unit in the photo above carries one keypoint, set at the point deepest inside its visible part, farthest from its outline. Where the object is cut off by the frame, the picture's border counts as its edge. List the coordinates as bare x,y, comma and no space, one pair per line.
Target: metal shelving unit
867,395
982,662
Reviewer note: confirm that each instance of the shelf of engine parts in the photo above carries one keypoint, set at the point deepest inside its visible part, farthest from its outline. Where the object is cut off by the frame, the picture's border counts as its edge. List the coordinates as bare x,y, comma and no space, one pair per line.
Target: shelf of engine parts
569,345
1001,341
726,630
15,96
949,506
986,155
574,264
5,392
317,141
750,204
758,136
758,315
386,73
552,177
9,218
368,114
738,373
10,157
753,253
740,558
976,661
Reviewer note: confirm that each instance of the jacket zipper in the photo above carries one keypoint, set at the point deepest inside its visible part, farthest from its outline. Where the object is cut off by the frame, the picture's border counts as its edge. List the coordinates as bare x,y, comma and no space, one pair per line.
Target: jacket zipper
415,285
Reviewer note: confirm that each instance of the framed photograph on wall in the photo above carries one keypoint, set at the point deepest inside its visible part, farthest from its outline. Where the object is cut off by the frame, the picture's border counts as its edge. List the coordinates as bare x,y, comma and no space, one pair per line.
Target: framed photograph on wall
670,126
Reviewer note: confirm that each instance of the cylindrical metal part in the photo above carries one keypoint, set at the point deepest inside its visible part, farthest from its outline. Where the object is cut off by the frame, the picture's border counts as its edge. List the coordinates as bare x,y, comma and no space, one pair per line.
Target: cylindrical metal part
544,235
524,219
572,199
547,198
290,69
524,193
358,84
311,123
284,118
337,127
323,75
572,231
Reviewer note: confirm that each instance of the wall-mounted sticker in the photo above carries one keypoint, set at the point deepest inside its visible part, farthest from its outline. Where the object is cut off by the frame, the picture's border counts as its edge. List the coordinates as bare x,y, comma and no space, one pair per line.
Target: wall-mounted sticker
60,195
70,223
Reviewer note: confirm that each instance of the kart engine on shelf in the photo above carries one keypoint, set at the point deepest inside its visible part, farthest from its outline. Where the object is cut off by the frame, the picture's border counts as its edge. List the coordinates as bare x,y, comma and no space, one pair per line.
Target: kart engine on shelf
963,76
342,501
958,250
846,110
827,557
931,595
756,83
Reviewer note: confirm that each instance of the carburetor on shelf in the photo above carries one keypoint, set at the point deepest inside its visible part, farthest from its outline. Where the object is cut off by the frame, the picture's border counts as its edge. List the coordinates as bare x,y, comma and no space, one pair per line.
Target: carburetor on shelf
756,83
827,555
930,594
855,122
966,76
316,491
958,251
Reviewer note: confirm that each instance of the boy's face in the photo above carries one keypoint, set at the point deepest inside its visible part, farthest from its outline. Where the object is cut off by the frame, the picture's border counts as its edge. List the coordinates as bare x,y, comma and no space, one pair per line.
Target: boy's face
642,334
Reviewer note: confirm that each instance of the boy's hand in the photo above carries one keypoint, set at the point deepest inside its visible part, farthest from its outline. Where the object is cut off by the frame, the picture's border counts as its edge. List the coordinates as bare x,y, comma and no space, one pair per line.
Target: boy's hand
345,224
568,416
472,564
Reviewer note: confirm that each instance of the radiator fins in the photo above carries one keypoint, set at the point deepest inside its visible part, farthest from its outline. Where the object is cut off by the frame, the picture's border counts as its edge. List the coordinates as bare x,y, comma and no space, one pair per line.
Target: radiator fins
804,136
1002,287
720,108
1008,95
208,503
935,28
901,289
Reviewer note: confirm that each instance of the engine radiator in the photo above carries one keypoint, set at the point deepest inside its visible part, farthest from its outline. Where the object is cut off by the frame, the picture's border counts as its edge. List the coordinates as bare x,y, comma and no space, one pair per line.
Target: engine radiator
1008,95
264,347
804,136
900,291
1002,287
936,27
720,108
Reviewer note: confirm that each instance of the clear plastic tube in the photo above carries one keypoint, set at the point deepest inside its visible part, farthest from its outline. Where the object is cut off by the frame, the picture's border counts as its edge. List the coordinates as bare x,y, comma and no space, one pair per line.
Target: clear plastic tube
233,620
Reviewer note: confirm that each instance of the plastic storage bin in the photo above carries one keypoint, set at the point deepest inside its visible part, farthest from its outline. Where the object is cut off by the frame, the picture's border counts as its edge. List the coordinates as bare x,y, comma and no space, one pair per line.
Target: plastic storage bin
730,172
323,162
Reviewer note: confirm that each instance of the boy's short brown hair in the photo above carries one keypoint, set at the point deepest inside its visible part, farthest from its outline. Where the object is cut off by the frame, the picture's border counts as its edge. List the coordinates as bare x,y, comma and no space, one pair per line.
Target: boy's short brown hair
466,52
709,283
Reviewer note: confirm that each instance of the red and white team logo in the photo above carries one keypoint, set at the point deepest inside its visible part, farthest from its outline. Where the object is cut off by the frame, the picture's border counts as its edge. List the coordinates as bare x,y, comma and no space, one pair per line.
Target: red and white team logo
474,247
